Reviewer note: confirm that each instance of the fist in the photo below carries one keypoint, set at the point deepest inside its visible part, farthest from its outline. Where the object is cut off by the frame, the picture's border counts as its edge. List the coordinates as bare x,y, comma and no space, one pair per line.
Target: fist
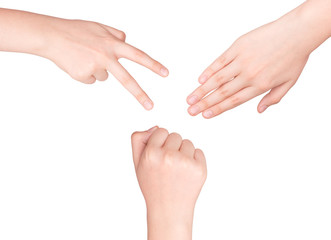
170,170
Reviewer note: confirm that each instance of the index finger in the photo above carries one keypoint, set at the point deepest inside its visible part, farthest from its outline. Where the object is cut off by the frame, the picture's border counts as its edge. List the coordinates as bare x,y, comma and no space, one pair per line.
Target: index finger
139,142
117,33
142,58
158,138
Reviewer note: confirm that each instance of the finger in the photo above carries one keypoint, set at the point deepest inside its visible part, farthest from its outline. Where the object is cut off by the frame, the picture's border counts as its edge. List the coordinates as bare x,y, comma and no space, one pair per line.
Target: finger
138,56
218,79
173,142
274,96
231,102
218,95
117,33
200,157
227,57
89,80
158,138
139,141
101,75
187,148
122,75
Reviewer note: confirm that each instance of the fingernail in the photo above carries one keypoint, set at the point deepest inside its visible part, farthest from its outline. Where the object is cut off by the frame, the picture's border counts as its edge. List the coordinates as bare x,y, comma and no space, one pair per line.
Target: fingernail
164,72
152,129
193,110
208,114
148,105
192,99
203,79
263,108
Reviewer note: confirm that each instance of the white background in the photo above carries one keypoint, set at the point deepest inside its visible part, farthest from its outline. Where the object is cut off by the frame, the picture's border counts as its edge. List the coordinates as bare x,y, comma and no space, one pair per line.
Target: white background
66,170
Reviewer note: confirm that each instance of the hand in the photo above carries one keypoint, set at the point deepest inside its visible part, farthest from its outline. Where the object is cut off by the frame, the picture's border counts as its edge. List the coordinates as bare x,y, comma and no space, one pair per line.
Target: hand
271,57
87,50
171,173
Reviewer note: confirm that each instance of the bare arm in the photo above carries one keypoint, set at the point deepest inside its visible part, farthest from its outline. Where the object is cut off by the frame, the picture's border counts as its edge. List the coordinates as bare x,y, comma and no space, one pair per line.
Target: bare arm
86,50
171,173
269,58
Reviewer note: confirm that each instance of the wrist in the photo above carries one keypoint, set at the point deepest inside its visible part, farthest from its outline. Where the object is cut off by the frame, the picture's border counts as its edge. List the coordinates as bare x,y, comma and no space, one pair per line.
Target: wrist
39,44
47,35
169,224
318,12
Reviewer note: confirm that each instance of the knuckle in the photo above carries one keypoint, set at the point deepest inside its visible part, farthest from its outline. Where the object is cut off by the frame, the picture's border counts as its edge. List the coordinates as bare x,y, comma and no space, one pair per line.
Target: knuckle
134,136
122,35
235,100
220,78
91,80
141,96
186,141
201,91
223,92
80,76
222,60
200,172
203,104
162,131
170,155
276,100
199,152
91,66
139,54
250,75
126,81
262,85
208,72
217,110
84,77
106,76
101,76
176,135
203,174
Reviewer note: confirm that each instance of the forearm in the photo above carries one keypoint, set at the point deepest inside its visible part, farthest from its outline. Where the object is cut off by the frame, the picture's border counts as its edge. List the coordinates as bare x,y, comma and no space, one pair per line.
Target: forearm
311,23
23,31
318,14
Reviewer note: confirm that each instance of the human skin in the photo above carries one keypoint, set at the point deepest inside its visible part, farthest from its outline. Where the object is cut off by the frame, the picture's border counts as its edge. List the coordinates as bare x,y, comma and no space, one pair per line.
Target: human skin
171,173
85,50
271,57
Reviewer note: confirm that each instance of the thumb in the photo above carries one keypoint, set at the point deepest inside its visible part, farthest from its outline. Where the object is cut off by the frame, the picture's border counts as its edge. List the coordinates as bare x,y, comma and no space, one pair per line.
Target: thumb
274,96
139,141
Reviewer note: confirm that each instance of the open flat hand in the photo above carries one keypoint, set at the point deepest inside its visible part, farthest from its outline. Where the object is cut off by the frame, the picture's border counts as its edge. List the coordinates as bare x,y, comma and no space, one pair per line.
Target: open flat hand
270,58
